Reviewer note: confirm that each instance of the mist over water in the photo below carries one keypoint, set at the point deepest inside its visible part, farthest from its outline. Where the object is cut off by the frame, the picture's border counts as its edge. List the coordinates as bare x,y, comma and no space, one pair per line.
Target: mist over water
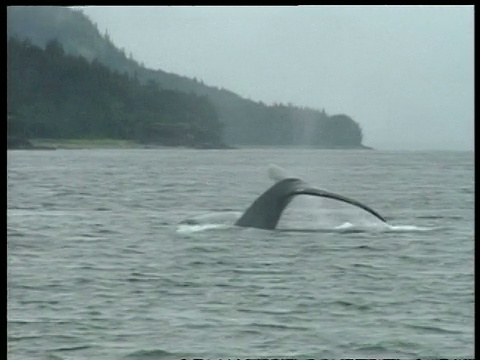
101,263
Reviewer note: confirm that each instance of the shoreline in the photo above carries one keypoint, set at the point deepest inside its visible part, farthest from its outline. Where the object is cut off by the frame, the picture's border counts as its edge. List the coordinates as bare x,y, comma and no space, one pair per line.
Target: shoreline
85,144
117,144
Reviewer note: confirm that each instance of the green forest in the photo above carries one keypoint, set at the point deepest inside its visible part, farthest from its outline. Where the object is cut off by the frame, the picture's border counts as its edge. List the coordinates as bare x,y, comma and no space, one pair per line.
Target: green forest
66,80
54,95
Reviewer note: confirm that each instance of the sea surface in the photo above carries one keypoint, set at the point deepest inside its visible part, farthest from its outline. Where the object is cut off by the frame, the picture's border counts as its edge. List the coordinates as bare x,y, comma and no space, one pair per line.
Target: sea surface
100,266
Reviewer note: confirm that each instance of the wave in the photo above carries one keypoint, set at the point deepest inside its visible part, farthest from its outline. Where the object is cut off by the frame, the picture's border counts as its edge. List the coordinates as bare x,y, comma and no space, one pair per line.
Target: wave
154,354
72,348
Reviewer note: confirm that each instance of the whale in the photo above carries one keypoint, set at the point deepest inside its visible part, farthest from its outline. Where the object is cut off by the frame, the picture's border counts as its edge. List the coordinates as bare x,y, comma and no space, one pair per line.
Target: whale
266,210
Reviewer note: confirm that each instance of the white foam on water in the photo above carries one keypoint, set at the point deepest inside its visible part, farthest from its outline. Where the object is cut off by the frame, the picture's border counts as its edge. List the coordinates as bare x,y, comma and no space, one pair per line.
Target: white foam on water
189,229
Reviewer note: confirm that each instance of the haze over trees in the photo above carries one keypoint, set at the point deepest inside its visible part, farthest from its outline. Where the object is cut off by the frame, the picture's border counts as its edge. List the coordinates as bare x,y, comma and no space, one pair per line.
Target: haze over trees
66,80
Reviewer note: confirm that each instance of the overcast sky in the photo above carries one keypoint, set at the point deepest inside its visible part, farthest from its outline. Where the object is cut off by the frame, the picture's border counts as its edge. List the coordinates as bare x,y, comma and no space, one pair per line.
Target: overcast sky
406,74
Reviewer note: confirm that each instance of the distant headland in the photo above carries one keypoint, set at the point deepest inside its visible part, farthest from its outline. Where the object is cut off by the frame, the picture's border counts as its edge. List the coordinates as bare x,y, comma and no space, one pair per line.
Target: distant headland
67,82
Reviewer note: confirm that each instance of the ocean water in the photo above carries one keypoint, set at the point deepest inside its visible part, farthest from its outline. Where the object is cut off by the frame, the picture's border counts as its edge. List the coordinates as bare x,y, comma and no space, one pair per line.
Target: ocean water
100,266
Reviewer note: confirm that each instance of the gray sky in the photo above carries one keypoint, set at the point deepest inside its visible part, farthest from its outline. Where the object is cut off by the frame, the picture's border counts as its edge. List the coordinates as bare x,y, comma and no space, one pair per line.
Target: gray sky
406,74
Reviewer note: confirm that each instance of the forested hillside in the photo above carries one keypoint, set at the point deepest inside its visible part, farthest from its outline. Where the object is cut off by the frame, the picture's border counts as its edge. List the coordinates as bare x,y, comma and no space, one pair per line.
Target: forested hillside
54,95
244,122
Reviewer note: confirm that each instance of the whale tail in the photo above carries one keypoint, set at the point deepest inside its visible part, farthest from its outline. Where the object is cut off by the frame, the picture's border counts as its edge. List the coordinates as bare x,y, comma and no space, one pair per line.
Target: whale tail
265,211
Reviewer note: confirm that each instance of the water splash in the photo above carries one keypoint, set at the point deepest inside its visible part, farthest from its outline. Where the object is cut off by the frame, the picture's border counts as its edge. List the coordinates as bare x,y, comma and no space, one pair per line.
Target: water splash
189,229
276,173
226,220
208,221
409,228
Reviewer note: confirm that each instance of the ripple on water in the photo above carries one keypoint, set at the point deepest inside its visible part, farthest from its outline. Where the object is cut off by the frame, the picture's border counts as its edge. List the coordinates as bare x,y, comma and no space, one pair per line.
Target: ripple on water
99,267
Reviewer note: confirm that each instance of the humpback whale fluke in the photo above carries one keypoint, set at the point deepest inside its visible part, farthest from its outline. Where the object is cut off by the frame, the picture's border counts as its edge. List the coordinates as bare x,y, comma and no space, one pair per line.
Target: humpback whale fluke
265,211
